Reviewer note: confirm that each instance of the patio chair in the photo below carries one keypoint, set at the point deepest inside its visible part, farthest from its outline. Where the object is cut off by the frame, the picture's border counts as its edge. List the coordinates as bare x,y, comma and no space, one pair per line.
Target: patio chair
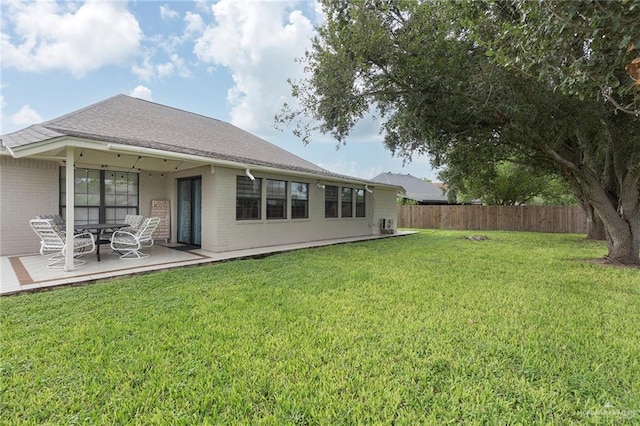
56,221
134,222
58,224
53,241
129,244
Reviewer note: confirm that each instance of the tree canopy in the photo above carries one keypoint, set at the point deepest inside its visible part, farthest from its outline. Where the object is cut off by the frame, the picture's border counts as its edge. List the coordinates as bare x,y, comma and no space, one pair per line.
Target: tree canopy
586,48
507,183
471,83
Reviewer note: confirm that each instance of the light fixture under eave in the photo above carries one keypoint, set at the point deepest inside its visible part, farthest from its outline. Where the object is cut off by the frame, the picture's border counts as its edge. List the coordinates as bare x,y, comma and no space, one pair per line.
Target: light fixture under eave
319,185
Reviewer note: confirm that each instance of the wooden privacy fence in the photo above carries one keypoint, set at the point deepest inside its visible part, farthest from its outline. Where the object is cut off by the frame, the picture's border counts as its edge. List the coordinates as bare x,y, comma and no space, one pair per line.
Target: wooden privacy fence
561,219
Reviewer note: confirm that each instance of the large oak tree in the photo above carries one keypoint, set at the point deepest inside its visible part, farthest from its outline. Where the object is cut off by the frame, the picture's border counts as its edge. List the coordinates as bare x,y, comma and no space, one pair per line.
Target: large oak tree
476,82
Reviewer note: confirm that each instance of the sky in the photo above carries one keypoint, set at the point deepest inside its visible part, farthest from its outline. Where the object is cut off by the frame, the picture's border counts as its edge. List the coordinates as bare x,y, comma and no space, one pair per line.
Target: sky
226,59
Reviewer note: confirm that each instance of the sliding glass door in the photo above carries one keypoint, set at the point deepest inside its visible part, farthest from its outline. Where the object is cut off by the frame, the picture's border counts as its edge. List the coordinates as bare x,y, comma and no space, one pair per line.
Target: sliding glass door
189,210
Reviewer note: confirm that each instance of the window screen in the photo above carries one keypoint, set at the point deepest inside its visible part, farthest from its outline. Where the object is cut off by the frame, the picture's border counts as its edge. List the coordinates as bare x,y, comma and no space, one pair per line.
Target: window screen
330,201
248,196
299,200
347,202
361,210
276,199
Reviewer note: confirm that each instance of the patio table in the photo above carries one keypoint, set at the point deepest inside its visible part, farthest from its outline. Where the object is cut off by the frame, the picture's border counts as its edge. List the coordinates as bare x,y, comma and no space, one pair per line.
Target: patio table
98,230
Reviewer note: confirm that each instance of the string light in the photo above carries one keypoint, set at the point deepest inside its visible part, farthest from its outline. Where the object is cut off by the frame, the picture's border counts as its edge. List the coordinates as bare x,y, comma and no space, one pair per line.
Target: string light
134,164
150,173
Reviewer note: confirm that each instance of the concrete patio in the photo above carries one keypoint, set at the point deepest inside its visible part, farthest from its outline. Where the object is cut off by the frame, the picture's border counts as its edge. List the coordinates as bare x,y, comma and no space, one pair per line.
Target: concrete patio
24,273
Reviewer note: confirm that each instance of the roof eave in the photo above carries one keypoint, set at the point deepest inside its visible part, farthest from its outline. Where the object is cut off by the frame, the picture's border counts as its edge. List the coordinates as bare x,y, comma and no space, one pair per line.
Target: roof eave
153,152
59,143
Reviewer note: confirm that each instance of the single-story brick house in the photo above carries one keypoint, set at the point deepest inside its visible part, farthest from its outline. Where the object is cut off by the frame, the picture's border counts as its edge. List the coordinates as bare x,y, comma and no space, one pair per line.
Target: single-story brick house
225,188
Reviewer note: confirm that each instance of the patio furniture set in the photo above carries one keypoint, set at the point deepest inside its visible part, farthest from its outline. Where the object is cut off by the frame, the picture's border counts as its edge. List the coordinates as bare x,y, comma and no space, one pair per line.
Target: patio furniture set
127,238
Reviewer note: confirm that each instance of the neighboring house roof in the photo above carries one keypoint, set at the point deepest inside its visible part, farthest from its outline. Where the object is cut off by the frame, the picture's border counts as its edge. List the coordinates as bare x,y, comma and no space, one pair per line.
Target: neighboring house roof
135,122
415,188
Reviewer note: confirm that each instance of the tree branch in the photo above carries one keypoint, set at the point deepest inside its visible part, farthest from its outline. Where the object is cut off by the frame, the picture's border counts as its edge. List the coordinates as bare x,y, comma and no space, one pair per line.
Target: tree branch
560,159
621,108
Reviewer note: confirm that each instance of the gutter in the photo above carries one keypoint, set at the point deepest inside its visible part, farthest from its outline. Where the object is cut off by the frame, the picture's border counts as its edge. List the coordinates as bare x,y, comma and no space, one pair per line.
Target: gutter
152,152
63,142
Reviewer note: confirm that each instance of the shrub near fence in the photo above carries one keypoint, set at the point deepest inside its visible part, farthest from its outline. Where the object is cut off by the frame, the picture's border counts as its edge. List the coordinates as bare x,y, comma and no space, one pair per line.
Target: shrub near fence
560,219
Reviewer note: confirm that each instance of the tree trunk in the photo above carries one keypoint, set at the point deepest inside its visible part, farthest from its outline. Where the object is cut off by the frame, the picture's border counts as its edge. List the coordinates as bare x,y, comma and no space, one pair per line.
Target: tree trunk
624,248
621,221
595,225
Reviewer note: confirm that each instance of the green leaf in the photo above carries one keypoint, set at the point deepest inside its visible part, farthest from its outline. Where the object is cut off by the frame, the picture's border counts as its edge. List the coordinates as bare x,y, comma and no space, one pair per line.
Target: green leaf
624,43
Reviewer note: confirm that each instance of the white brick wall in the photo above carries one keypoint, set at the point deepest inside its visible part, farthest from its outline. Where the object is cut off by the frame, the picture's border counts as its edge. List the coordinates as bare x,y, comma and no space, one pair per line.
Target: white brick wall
385,207
152,187
27,188
31,187
229,234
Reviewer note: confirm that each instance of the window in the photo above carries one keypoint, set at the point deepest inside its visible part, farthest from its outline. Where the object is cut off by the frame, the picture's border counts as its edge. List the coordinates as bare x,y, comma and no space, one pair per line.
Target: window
101,196
120,189
347,202
248,196
361,210
299,200
330,201
276,199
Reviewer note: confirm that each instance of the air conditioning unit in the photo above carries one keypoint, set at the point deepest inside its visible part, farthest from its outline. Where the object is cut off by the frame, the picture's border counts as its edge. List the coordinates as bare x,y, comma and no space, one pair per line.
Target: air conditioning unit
386,226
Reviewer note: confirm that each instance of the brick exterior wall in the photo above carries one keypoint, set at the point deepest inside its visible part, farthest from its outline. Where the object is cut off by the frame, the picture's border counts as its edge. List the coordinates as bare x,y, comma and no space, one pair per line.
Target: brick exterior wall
385,208
31,187
27,188
227,233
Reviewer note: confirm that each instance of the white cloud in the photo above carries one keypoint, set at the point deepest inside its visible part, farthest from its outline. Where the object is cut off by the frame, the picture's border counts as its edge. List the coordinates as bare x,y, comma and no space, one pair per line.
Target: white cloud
25,116
152,66
144,71
180,66
142,92
165,70
148,71
194,25
167,13
203,5
257,42
49,35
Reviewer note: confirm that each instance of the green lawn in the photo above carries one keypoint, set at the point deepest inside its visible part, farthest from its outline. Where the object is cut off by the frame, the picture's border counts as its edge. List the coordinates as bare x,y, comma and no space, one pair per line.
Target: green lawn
429,328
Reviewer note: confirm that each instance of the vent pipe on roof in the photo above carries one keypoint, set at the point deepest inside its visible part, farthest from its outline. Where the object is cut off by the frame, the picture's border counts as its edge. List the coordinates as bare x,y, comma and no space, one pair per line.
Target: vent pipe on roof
249,175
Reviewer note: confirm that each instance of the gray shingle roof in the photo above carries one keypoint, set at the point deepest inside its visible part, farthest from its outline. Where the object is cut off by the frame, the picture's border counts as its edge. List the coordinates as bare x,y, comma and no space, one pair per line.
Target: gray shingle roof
416,189
136,122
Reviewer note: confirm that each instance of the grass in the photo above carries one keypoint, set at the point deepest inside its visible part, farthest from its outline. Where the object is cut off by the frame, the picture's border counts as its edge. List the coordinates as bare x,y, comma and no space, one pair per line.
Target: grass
430,328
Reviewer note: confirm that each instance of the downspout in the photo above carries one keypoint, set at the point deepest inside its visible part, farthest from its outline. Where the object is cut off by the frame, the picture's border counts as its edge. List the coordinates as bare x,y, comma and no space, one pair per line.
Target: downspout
249,175
375,228
70,213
